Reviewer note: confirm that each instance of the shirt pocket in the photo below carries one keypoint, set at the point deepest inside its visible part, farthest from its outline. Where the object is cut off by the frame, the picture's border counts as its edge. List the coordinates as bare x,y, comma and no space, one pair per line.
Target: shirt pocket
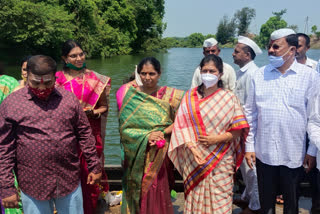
296,98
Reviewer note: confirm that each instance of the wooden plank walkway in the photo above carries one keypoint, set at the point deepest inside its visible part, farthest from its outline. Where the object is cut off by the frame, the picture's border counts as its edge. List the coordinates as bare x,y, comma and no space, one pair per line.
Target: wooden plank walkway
304,207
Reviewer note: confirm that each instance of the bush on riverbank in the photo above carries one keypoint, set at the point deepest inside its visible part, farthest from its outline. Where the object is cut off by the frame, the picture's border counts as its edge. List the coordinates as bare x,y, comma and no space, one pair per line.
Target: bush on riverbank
105,28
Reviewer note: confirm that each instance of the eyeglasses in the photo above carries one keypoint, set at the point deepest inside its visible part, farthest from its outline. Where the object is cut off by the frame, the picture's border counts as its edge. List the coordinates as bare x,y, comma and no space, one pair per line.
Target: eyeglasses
73,56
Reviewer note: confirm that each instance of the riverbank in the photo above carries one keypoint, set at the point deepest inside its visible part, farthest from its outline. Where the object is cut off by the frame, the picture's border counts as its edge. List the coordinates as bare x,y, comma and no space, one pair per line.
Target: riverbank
314,43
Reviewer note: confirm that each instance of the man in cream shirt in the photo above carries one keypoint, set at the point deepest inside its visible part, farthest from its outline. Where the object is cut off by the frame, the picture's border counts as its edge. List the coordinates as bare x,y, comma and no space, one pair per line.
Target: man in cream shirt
244,53
210,46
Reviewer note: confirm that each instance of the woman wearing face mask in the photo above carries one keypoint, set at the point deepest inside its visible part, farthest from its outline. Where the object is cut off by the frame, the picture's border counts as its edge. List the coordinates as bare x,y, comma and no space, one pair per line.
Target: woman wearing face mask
207,141
146,116
92,90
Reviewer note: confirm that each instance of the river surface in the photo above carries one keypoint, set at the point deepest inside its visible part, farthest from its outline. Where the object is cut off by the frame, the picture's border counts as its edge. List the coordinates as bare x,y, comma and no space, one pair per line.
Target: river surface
178,65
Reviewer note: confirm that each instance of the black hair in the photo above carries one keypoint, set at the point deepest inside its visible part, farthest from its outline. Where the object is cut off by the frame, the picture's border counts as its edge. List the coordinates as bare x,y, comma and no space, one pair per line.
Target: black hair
219,65
41,65
25,59
306,37
1,68
129,78
67,46
149,60
292,40
247,49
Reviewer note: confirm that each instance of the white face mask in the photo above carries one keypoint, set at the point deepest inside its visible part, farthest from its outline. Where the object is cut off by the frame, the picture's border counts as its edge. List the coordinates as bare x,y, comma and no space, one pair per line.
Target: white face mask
209,80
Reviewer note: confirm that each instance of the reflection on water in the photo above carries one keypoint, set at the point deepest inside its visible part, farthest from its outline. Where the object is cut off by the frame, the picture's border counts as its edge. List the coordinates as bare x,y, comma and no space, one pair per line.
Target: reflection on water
178,66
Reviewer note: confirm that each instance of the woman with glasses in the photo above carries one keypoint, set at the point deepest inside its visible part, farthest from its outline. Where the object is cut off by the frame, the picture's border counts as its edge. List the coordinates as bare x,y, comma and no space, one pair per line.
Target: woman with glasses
207,141
92,90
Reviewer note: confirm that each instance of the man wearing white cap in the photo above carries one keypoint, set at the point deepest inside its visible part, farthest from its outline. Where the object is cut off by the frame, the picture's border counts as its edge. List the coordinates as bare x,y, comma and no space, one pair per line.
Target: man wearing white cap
276,110
243,55
210,46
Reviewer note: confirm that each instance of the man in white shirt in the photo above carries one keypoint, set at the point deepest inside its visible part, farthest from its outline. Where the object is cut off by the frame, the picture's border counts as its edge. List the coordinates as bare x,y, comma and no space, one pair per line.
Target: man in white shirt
210,46
303,47
276,110
243,55
314,135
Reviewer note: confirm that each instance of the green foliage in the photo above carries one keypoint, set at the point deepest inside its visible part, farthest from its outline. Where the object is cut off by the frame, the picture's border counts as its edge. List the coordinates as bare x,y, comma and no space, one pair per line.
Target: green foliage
226,30
243,19
36,27
280,14
274,23
294,27
314,29
148,19
103,27
210,36
191,41
195,40
315,32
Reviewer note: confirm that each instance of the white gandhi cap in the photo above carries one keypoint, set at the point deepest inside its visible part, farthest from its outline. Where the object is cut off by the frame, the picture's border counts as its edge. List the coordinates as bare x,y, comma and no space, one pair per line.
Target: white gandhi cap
283,32
209,42
250,43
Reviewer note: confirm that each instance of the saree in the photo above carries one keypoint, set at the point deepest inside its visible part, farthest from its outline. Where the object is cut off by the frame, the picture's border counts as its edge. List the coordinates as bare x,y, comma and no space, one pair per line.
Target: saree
7,84
145,180
208,188
88,88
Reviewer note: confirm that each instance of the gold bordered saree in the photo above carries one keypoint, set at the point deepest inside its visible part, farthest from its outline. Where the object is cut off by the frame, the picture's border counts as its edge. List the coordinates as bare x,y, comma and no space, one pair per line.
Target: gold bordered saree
141,114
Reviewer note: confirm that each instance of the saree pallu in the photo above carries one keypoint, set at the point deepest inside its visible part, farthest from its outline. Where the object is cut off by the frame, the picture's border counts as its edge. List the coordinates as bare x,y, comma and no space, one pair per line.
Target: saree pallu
140,115
88,88
208,188
7,84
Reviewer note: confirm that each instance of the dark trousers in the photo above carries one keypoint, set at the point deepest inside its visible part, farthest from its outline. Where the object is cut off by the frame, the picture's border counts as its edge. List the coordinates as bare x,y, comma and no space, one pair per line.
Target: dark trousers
270,179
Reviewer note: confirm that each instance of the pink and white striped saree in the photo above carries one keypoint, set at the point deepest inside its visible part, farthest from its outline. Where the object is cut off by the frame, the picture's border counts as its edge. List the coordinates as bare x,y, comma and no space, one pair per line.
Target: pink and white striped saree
208,188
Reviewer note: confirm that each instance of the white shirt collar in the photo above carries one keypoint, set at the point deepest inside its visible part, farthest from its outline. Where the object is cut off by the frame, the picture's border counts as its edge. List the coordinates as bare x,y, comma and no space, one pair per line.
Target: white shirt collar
246,67
293,67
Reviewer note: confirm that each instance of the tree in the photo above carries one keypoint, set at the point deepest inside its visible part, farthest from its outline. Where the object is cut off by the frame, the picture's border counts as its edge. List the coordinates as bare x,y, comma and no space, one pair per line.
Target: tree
209,36
104,28
274,23
294,27
314,29
226,30
195,40
280,14
148,18
35,27
243,19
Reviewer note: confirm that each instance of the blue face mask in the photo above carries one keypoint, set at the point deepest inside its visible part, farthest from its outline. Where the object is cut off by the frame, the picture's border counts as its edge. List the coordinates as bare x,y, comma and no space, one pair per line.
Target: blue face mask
277,61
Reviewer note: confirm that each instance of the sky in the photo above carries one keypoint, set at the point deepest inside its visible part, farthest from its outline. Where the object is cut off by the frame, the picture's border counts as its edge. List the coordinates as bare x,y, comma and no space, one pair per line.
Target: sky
184,17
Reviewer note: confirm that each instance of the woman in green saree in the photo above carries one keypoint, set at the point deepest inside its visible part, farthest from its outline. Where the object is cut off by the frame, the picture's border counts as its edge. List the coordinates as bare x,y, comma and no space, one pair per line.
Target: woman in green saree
146,117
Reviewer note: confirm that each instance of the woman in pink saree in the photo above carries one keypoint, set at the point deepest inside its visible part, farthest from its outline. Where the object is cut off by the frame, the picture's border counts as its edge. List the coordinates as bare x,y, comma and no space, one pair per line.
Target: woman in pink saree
92,90
207,141
146,116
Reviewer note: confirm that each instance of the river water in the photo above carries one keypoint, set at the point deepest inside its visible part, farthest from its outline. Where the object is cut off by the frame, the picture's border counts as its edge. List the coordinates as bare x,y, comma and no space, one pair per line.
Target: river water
178,65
